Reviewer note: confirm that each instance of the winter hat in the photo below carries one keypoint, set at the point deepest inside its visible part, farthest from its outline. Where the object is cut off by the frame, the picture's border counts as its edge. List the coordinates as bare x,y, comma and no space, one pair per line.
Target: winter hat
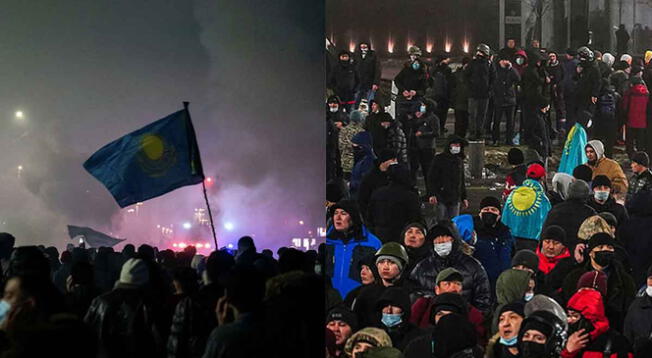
578,189
516,307
414,50
636,69
627,58
583,172
600,180
336,190
465,226
594,279
515,156
374,336
641,158
356,116
386,154
526,258
538,325
601,238
535,171
609,218
394,252
344,52
449,274
351,207
490,201
648,56
417,225
555,232
398,297
449,301
381,352
649,271
392,259
609,59
343,314
439,230
453,334
134,273
591,226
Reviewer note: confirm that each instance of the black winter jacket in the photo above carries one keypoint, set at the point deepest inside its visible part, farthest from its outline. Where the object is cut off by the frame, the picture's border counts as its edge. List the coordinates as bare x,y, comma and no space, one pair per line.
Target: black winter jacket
588,83
390,209
610,206
189,330
504,88
480,75
344,80
535,90
637,235
446,177
569,215
638,322
409,79
368,68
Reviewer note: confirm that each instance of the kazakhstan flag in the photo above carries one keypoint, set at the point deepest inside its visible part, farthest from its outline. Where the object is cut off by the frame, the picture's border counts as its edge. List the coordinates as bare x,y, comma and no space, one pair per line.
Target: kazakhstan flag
149,162
573,153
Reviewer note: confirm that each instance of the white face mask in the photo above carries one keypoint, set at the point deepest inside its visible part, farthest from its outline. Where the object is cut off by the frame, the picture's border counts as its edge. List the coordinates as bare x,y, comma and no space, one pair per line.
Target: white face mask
648,291
529,296
333,109
520,60
456,149
444,249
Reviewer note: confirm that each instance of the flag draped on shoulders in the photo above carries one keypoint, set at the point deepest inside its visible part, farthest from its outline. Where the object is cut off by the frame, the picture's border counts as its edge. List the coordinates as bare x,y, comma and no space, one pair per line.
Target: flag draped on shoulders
573,153
526,209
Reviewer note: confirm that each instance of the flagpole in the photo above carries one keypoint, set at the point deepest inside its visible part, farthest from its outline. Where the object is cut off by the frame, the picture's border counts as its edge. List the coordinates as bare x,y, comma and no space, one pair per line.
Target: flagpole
210,214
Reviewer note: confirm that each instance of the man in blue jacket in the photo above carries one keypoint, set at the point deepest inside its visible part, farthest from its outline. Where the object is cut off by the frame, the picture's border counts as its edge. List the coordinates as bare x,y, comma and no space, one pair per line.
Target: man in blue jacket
347,243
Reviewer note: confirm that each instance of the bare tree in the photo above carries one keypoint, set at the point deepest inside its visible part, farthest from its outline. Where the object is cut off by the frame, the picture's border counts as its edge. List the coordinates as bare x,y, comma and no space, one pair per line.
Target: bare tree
533,25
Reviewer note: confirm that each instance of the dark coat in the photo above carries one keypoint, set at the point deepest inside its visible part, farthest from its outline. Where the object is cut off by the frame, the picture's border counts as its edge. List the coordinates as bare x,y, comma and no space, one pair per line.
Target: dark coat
639,182
480,75
409,79
555,72
493,248
442,82
364,159
189,330
396,140
475,287
535,89
610,206
638,322
504,88
375,179
554,280
428,125
391,208
445,179
406,331
344,80
234,339
569,215
588,83
460,91
378,133
368,69
637,235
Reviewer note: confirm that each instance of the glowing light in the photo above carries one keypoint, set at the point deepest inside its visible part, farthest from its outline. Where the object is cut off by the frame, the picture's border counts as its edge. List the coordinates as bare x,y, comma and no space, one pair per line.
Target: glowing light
321,231
175,245
351,46
187,225
447,46
183,245
199,246
207,245
19,114
229,226
20,167
465,46
409,44
230,246
429,47
390,45
300,222
158,226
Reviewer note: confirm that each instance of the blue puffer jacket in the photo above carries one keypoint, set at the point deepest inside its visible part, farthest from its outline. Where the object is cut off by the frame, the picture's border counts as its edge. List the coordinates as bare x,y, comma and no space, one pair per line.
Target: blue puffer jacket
493,249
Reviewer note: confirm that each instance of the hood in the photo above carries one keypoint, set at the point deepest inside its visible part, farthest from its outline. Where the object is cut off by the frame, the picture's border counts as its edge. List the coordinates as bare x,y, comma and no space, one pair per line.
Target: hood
591,226
521,52
609,59
374,336
641,204
363,139
578,189
399,174
589,303
398,297
597,146
448,228
333,99
560,184
370,261
511,285
453,333
351,207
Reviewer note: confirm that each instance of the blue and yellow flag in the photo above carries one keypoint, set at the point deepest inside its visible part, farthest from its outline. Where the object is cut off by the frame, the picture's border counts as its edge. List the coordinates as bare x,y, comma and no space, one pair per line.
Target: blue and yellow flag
526,209
573,153
149,162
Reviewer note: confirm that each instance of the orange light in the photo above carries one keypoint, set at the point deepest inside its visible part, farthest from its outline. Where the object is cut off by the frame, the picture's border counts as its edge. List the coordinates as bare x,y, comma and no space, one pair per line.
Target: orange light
390,45
429,47
351,46
465,46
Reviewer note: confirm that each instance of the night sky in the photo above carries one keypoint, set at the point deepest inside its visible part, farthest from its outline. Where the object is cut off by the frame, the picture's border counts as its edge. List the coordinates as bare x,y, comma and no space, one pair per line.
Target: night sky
86,73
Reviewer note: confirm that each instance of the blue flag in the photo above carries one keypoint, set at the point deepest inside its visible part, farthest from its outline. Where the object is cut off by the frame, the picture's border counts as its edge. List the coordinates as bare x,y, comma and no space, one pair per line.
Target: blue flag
573,153
149,162
526,209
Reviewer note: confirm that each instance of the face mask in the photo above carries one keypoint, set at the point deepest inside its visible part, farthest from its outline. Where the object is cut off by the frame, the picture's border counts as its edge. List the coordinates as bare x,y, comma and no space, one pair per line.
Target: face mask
601,195
416,65
444,249
520,60
333,109
422,109
364,50
648,291
509,342
532,350
456,150
391,320
385,125
489,219
528,296
4,310
604,258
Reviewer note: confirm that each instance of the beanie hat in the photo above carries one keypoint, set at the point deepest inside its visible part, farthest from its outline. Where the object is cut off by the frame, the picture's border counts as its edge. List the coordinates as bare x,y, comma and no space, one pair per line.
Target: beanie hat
345,315
515,156
578,189
374,336
599,239
583,172
134,274
600,180
386,154
641,158
526,258
533,324
490,201
393,259
594,279
609,218
449,301
417,225
516,307
555,232
356,116
449,274
535,171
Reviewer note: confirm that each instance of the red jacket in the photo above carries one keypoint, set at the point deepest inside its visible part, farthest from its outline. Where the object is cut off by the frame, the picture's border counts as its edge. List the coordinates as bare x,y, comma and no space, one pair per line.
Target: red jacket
547,264
635,105
422,311
588,302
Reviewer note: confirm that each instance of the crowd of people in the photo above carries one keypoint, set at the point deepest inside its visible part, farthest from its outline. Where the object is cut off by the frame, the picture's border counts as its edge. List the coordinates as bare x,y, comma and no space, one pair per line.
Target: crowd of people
560,265
88,302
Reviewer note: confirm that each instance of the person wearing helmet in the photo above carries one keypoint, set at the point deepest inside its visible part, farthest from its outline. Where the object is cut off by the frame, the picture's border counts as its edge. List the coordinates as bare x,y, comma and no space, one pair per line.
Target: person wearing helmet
480,75
542,335
588,88
391,260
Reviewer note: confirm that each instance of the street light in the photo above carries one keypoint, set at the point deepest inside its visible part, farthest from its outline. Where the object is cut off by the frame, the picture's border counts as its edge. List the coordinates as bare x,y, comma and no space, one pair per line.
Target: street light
19,114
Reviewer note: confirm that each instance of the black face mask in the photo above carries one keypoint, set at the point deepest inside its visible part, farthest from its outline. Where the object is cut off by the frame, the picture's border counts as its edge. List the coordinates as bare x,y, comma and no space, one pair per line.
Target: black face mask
489,219
532,350
604,258
582,323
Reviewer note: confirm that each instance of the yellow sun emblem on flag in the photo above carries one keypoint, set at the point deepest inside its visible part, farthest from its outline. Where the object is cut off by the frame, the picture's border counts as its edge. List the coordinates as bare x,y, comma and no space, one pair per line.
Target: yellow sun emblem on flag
155,156
524,201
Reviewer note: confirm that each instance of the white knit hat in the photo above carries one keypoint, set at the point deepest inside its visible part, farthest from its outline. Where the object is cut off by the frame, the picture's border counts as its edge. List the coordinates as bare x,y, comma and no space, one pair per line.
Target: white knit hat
134,274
